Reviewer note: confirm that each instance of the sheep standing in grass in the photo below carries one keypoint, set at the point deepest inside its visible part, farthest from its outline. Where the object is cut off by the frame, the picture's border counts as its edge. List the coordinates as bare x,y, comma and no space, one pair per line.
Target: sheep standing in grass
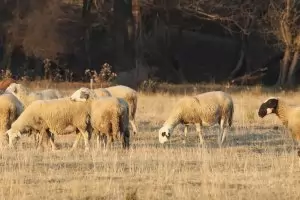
109,116
205,109
289,115
27,97
54,116
127,93
10,110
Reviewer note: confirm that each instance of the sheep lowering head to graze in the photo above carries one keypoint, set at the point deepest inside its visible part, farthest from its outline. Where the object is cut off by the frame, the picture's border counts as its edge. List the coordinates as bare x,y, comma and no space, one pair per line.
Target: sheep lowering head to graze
27,123
109,116
26,96
55,115
205,109
289,115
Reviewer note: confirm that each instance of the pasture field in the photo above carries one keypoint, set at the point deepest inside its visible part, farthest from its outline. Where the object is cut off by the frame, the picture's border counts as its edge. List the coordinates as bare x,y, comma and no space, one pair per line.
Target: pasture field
256,162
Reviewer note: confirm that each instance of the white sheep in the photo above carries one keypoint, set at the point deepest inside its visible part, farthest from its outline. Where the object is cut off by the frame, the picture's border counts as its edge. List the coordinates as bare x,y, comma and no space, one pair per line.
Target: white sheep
54,115
205,109
102,92
127,93
26,96
10,110
109,116
289,115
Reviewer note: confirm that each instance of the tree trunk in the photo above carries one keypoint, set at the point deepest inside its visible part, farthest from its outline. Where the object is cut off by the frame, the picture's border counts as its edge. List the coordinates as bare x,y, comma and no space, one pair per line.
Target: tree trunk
86,7
242,56
284,67
293,67
124,36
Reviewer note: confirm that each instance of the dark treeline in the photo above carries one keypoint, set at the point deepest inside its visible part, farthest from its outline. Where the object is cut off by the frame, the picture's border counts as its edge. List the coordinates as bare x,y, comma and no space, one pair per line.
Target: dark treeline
241,41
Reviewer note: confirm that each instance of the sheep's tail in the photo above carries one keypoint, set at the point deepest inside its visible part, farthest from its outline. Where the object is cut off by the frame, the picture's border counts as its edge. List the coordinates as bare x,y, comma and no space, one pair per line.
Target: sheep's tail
116,129
132,107
230,117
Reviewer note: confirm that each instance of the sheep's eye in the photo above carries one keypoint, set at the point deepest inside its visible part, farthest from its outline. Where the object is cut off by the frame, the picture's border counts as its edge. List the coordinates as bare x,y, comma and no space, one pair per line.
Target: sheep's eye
163,134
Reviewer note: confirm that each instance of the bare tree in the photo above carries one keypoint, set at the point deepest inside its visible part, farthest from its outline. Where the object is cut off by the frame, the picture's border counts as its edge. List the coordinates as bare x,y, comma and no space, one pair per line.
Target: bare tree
283,19
237,17
124,35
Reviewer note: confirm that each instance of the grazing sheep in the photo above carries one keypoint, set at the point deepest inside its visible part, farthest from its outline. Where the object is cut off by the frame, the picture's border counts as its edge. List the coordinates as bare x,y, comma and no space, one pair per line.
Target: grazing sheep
54,116
205,109
10,110
109,116
289,115
127,93
27,97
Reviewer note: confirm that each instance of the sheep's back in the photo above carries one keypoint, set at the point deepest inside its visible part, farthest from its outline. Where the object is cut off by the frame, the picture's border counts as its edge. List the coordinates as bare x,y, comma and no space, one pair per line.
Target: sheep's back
127,93
192,110
101,92
103,111
60,113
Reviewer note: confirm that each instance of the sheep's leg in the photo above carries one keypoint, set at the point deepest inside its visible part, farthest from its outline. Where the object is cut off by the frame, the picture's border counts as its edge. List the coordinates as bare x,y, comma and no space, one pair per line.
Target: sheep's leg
101,139
125,139
198,128
134,128
104,140
78,136
185,133
86,137
222,133
39,141
51,139
98,141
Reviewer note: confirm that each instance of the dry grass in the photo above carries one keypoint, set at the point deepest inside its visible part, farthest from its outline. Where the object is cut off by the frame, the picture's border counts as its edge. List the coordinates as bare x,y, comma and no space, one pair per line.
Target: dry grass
257,162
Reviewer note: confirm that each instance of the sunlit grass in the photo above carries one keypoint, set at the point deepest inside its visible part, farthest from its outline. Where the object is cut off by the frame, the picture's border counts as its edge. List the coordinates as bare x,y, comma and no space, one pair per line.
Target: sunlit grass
256,162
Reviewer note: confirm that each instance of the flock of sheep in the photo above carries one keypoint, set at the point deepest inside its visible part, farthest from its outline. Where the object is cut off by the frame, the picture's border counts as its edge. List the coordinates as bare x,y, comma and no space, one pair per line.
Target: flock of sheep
108,112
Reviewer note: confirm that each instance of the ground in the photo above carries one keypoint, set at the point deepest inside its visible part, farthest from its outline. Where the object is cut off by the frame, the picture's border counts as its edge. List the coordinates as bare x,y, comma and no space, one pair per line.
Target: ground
256,162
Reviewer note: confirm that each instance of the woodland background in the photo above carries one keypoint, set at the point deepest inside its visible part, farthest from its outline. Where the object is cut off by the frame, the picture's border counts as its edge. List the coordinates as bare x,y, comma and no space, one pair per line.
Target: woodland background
133,41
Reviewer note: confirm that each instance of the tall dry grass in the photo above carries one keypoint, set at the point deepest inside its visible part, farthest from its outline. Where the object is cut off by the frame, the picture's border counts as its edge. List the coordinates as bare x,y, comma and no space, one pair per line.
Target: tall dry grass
257,161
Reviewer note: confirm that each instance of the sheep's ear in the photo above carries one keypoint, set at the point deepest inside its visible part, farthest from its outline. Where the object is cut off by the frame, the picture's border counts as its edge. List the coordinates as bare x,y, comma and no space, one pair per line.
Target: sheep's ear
14,89
84,95
19,134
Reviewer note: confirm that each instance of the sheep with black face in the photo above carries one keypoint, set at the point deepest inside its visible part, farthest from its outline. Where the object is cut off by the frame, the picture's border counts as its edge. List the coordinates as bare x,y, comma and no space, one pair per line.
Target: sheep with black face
289,115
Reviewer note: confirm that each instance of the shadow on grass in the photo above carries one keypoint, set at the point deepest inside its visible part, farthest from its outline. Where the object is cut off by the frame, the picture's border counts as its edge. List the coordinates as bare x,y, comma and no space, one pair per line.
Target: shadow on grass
256,138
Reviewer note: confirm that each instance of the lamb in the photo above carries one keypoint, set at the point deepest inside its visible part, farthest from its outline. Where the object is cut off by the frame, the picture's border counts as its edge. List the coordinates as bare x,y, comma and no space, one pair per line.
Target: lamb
53,116
289,115
109,116
27,97
127,93
205,109
10,110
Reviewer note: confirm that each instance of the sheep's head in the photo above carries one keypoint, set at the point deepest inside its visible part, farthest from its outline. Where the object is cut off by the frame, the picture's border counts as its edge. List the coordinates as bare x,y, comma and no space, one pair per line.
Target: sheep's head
268,107
13,136
16,88
82,94
12,88
164,134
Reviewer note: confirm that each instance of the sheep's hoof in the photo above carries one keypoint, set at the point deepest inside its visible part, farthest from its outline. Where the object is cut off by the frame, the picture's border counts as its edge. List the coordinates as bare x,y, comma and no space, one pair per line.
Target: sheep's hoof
298,153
